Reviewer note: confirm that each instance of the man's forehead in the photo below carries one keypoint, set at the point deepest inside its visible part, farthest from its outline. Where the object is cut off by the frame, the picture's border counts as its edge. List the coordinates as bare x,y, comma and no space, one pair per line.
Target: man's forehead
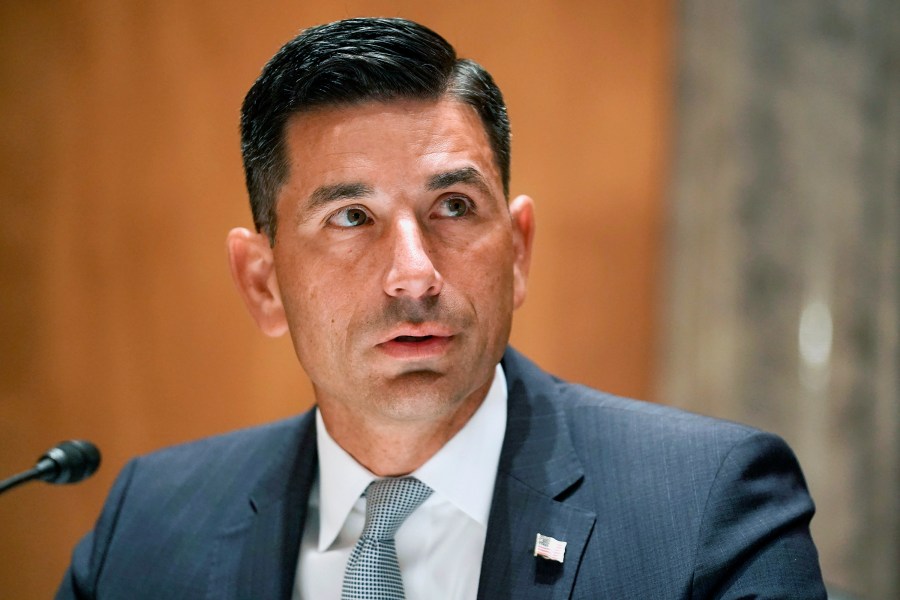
433,133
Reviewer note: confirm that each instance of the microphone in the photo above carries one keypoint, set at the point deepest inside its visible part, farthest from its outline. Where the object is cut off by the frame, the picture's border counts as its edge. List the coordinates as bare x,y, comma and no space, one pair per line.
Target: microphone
67,462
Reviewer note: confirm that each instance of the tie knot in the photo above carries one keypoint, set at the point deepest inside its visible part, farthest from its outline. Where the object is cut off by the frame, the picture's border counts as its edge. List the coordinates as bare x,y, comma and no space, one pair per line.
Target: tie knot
389,502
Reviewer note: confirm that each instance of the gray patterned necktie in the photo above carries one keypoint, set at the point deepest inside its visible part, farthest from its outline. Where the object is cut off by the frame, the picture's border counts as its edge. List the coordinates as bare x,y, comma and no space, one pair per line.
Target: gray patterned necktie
373,572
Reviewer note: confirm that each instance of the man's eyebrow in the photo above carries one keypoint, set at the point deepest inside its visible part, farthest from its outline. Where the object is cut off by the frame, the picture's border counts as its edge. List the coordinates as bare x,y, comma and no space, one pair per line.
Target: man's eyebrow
468,175
339,191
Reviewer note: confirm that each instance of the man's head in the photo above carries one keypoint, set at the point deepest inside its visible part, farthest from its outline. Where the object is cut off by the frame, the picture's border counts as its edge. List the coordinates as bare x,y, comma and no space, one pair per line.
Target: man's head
350,62
399,259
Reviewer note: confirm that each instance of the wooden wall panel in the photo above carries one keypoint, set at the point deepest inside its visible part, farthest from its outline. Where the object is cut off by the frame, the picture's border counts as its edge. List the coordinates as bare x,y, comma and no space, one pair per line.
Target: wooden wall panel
121,175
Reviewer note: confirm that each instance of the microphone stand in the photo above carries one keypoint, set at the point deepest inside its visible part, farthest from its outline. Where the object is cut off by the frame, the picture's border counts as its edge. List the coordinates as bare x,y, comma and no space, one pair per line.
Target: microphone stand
20,478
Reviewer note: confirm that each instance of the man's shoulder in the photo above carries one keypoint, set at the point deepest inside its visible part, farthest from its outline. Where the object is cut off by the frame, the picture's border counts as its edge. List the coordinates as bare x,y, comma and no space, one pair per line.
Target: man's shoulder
588,407
601,420
241,452
247,439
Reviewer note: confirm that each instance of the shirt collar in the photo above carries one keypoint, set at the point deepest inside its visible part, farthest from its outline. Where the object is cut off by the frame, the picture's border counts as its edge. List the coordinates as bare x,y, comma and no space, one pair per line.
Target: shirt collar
342,481
477,445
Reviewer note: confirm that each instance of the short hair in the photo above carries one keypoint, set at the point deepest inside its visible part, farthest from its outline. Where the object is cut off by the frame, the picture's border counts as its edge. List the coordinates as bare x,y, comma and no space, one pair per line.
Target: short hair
349,62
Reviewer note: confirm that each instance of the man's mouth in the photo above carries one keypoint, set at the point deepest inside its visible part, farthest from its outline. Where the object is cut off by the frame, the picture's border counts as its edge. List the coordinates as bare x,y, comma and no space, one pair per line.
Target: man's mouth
412,338
416,346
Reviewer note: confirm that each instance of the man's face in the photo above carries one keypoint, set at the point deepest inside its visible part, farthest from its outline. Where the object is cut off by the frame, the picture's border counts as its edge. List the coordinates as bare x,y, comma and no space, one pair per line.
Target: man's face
398,260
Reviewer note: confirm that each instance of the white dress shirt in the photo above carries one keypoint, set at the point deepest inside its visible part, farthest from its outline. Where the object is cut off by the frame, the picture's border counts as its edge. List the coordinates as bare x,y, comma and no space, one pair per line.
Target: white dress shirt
440,544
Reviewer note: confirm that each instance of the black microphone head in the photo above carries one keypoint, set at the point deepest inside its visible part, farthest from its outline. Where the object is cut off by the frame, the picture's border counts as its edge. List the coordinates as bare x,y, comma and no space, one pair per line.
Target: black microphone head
69,462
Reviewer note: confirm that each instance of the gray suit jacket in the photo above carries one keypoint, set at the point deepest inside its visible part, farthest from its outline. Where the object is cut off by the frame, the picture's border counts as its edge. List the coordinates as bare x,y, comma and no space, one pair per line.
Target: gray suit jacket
652,502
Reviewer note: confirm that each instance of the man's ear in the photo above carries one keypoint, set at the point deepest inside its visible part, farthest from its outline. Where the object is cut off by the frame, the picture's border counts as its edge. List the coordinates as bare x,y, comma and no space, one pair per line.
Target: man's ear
253,270
521,211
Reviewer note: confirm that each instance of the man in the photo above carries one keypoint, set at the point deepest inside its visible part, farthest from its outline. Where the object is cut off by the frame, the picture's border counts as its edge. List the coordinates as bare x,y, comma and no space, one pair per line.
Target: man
438,463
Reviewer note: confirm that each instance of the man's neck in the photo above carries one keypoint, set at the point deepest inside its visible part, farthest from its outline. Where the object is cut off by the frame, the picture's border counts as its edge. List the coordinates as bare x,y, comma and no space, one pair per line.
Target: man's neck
393,447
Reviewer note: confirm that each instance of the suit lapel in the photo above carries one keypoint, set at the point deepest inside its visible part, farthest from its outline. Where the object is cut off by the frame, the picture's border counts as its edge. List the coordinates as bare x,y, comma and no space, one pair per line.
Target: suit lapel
538,470
256,554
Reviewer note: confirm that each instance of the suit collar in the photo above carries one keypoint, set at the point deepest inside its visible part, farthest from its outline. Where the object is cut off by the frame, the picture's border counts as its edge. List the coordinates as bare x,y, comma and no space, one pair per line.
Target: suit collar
539,468
256,555
537,449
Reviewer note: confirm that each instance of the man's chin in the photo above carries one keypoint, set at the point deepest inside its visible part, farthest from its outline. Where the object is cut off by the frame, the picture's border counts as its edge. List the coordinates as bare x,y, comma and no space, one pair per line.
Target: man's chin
429,392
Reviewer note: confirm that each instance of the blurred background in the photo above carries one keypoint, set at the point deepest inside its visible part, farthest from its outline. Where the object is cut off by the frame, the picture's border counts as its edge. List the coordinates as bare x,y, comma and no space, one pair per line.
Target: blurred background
717,188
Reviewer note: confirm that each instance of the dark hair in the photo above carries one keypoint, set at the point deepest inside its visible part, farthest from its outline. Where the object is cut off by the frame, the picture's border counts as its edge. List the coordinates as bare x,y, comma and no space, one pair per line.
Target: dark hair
352,61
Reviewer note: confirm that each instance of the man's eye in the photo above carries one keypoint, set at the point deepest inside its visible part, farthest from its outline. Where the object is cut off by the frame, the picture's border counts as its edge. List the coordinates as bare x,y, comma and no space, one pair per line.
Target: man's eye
455,207
352,216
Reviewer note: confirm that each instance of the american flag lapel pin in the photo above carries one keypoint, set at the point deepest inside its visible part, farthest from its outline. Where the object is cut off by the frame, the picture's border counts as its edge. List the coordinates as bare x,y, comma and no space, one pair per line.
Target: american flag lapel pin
549,548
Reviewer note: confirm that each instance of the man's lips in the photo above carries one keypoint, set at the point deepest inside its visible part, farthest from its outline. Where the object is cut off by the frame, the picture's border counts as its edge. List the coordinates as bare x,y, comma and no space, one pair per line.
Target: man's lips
416,342
417,333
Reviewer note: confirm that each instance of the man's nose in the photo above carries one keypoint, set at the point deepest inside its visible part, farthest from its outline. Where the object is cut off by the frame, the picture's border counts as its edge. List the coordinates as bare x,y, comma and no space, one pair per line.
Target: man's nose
411,273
